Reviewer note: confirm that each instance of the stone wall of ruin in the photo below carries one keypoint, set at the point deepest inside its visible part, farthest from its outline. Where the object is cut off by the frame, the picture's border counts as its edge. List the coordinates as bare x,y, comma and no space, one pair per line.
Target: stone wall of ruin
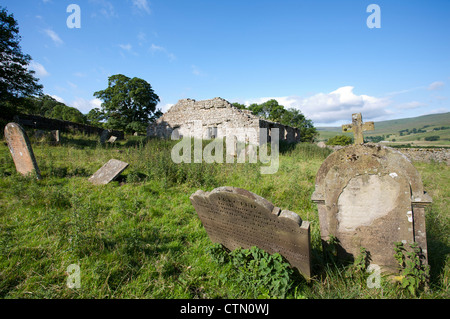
216,118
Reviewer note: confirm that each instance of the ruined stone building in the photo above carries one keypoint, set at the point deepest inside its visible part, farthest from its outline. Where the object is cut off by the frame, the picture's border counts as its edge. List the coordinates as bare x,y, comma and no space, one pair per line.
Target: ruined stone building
217,118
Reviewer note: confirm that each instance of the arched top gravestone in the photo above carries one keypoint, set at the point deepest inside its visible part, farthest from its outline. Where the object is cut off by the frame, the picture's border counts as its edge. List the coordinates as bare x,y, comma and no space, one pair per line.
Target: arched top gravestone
371,196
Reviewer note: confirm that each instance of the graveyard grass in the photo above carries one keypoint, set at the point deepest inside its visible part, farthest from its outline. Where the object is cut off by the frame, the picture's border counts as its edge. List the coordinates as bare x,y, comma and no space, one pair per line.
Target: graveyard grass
140,237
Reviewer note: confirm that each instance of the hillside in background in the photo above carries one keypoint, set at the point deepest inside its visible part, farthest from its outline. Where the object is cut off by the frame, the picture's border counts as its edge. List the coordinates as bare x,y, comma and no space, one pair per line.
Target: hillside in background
415,131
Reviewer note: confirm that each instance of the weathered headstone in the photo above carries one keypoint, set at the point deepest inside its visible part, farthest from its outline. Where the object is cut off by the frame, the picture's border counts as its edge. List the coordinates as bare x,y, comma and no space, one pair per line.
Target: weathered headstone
21,151
237,218
108,172
55,136
371,196
112,139
358,127
106,134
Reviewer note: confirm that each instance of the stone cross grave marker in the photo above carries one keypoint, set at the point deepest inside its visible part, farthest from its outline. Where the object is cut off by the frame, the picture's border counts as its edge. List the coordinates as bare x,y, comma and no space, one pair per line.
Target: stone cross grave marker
21,151
358,127
235,217
108,172
371,196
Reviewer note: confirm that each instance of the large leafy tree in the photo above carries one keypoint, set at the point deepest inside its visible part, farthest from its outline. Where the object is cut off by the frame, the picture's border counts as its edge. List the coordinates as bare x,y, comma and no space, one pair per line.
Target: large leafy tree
129,104
273,111
16,80
47,106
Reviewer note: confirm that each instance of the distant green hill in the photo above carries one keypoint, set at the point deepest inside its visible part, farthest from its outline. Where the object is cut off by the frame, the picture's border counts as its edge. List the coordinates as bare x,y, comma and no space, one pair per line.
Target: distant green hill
408,130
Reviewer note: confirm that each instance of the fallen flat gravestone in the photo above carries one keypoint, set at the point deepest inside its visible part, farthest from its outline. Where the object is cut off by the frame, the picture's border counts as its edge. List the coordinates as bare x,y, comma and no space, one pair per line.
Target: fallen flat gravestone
371,196
235,217
21,151
108,172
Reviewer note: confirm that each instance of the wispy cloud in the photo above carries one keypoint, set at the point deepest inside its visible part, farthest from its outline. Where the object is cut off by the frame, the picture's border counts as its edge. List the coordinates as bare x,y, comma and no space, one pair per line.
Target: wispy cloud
156,48
196,71
141,5
410,105
106,8
38,68
435,86
54,36
127,47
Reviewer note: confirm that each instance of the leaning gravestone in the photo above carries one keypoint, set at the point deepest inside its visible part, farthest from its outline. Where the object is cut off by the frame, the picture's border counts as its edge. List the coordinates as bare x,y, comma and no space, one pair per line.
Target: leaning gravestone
235,217
21,151
371,196
108,172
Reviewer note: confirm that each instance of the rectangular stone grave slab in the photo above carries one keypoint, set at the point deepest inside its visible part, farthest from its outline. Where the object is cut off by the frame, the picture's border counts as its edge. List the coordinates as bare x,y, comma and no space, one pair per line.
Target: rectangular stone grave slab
21,151
235,217
108,172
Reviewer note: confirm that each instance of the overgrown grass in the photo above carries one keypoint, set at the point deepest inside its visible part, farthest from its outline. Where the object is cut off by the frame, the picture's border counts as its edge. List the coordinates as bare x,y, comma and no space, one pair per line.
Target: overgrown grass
140,237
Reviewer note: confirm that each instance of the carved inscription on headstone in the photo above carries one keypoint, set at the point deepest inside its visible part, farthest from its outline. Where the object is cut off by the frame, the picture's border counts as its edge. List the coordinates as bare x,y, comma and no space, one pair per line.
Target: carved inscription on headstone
21,151
371,196
236,218
108,172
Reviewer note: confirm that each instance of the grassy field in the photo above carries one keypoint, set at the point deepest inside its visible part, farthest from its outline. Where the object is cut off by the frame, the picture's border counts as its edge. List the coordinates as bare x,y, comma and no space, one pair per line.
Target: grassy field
430,125
140,237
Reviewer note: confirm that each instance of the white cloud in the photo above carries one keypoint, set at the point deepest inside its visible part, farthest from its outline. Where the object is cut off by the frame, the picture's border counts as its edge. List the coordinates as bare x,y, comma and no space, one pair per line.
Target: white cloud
156,48
196,71
141,5
166,107
334,107
86,105
437,111
54,36
106,8
436,86
126,47
58,98
38,68
410,105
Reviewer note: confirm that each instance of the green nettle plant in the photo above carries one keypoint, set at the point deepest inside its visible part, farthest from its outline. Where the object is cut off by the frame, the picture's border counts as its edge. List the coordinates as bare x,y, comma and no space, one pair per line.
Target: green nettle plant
265,275
414,273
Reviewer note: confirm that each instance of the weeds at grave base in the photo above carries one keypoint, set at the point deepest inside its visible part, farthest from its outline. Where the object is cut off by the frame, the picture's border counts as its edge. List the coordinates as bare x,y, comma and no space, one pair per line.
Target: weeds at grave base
414,273
264,275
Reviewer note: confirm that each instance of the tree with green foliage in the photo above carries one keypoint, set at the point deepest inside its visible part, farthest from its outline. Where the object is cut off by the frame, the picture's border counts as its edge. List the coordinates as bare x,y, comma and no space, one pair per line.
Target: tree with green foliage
239,106
16,80
270,110
340,140
273,111
96,117
129,104
47,106
432,138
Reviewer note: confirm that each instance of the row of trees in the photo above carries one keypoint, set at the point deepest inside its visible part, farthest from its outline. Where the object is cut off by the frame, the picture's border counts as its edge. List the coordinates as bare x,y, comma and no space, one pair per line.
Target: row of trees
273,111
129,104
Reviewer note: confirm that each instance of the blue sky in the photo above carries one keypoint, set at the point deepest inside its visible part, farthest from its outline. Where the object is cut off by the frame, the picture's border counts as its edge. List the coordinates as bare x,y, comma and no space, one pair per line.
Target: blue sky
318,56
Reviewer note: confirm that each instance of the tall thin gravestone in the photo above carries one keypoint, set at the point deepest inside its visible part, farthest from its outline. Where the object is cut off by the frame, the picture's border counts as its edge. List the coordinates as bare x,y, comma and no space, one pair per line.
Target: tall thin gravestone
237,218
371,196
21,151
